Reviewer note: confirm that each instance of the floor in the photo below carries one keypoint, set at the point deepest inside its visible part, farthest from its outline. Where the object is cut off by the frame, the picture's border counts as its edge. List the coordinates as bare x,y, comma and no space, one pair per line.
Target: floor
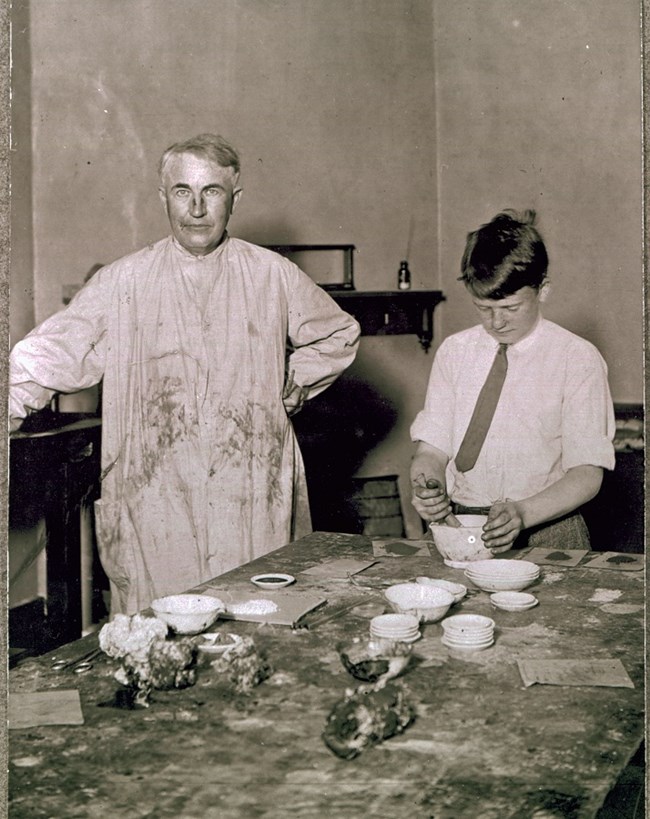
627,799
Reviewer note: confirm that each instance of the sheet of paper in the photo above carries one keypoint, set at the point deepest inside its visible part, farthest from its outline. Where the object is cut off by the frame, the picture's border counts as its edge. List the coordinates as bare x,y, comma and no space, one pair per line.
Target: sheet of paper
62,707
338,568
621,561
555,557
609,673
290,606
400,547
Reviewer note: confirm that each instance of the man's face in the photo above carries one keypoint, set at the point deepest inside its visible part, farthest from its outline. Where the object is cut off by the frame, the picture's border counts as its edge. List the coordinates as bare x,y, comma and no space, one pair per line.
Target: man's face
509,320
199,196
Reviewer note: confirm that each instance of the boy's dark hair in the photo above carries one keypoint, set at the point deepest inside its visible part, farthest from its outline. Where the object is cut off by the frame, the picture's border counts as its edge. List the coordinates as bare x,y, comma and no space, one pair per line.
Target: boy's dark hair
503,256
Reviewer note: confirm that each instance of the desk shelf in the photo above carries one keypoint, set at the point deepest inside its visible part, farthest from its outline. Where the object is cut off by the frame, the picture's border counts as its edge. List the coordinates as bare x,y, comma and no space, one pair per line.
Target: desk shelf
390,313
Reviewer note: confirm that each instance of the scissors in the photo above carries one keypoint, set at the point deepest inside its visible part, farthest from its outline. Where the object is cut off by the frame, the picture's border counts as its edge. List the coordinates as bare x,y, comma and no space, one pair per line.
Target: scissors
79,665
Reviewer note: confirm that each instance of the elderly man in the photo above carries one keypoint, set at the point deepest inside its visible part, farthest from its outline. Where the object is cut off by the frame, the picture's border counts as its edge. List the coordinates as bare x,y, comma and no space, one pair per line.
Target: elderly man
205,344
518,420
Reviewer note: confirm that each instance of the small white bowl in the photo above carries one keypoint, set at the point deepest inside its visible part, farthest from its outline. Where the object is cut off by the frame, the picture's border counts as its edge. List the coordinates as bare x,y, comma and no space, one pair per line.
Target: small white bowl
272,580
188,613
457,590
427,603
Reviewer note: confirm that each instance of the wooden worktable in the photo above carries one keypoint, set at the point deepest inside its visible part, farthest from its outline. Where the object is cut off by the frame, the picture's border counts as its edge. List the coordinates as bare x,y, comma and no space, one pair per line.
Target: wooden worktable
482,744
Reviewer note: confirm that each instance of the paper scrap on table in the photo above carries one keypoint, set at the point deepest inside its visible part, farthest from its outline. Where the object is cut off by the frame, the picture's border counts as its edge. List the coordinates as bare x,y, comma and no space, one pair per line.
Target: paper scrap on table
45,708
617,560
556,557
339,568
401,547
609,673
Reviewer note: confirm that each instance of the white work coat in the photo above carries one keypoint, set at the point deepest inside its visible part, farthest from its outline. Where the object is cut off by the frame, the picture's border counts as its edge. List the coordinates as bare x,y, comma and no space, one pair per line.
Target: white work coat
201,470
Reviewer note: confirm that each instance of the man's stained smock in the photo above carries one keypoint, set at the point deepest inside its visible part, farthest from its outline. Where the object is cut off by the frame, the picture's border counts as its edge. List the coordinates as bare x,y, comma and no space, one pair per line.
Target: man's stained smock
555,412
201,471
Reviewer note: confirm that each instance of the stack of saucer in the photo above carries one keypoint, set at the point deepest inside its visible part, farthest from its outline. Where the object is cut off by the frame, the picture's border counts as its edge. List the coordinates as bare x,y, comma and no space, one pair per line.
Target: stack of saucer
472,632
402,627
513,601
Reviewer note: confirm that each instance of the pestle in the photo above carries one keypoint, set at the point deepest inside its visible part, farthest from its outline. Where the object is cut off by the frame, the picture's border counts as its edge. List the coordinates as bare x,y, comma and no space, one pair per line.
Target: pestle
451,519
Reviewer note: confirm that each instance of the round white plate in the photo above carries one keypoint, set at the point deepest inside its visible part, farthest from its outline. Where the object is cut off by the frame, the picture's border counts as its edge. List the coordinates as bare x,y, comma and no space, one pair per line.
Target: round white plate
272,580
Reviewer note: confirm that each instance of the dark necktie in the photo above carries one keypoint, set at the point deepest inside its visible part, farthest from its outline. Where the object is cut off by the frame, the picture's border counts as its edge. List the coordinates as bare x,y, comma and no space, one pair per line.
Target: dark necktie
483,412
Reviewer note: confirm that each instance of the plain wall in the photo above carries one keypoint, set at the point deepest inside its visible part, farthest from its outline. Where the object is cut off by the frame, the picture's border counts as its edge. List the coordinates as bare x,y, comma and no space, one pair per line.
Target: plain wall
359,121
539,106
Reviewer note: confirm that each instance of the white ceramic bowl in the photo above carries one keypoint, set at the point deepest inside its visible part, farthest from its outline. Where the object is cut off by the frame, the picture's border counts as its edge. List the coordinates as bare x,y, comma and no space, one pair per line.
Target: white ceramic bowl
459,546
503,575
457,590
490,584
427,603
502,567
188,613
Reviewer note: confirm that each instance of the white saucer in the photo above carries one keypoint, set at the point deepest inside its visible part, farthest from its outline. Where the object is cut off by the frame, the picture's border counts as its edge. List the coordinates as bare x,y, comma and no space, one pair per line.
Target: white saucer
513,601
272,580
396,639
467,646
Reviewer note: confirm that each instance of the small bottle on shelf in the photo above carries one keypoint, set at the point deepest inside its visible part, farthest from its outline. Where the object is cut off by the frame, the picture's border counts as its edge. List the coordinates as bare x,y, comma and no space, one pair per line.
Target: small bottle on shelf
404,276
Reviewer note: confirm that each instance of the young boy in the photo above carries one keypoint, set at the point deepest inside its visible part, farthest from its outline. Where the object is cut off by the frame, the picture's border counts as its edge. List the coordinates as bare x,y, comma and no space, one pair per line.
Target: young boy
537,448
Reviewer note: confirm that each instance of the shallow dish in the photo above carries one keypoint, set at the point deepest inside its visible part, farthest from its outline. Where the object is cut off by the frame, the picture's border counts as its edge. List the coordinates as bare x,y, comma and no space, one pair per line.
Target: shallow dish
188,613
427,603
494,584
272,580
217,643
513,601
457,590
502,567
464,545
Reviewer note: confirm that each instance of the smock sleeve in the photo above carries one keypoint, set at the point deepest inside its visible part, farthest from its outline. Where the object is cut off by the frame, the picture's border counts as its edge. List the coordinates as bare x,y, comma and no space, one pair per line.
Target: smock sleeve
65,353
324,338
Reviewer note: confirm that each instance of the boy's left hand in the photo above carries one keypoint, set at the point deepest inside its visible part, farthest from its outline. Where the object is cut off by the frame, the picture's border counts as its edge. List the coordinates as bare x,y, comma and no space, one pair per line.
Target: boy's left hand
503,526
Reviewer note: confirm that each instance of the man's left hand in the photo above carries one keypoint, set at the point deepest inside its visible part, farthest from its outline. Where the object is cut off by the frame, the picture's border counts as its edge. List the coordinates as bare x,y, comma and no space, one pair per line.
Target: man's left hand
294,398
503,526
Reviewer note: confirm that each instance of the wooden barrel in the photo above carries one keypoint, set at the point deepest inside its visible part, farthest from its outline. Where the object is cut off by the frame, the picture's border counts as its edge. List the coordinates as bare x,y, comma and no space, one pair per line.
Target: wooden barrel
376,502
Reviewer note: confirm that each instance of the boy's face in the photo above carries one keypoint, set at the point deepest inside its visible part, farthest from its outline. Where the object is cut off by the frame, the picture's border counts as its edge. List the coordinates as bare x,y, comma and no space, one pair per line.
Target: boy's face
510,319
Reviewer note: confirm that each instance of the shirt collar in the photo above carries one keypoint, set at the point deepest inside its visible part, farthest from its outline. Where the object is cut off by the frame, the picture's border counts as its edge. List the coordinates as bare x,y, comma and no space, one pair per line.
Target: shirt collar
524,343
213,254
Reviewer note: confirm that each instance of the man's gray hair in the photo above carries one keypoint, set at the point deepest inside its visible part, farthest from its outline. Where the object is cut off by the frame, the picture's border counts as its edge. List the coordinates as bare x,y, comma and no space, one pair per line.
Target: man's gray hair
209,146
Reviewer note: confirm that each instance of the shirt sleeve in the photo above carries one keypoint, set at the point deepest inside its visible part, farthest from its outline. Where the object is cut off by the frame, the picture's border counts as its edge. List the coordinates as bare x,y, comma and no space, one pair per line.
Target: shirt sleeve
324,339
65,353
588,421
434,423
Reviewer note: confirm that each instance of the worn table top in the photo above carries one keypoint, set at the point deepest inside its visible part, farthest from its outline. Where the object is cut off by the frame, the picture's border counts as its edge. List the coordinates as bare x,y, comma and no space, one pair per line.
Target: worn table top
482,744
